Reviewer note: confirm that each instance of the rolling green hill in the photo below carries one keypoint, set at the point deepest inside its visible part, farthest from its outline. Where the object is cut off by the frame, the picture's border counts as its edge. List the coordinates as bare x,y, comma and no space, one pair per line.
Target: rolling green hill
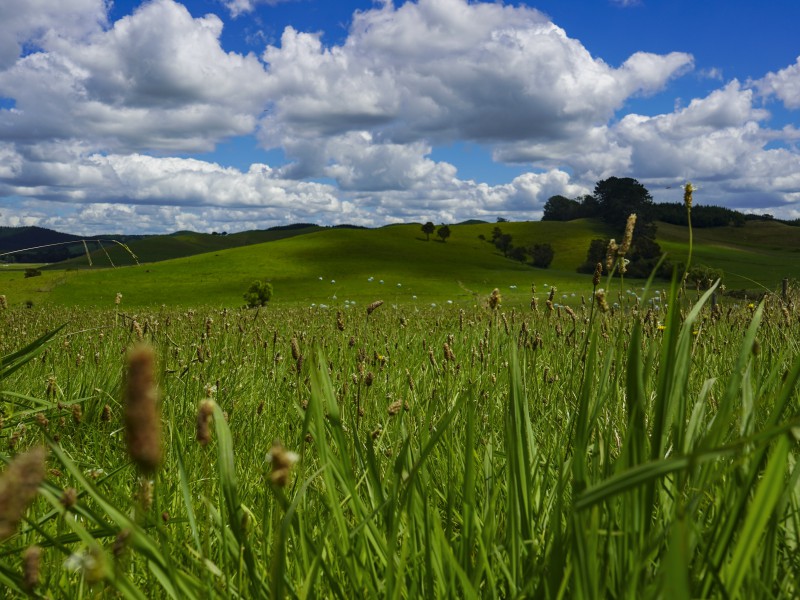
329,266
177,245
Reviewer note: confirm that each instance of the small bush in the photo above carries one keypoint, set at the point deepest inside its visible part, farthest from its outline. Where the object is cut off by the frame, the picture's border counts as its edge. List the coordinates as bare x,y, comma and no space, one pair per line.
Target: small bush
32,273
258,294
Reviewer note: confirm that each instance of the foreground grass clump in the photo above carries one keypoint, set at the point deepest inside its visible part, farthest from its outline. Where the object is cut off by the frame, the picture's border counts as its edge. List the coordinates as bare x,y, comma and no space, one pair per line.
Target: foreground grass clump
398,452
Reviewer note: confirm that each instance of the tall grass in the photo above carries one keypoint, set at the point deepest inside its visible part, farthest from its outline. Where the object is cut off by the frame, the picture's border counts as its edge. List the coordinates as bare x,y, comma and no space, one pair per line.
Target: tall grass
629,453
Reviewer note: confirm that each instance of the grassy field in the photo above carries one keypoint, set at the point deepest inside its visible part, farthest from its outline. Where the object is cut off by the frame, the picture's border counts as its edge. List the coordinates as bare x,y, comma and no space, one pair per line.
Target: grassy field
302,267
405,452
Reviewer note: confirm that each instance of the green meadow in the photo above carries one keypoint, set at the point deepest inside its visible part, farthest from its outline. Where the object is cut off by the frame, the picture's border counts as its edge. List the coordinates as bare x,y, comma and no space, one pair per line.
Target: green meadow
401,451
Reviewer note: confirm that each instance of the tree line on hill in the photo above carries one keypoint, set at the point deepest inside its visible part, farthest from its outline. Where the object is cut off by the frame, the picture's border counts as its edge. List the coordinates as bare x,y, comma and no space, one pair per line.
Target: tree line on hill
614,199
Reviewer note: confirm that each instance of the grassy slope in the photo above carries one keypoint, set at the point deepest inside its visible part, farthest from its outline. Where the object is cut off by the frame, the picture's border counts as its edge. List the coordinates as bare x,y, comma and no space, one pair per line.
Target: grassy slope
759,254
433,271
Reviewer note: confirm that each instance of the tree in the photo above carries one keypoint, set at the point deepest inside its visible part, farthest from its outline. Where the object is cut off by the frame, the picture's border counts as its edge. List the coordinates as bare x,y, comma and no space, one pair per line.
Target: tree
503,243
542,255
518,253
428,229
619,197
443,232
560,208
595,254
258,294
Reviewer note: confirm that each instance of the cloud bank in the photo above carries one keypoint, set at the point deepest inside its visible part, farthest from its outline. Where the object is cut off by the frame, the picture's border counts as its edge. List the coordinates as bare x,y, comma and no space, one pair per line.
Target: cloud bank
99,121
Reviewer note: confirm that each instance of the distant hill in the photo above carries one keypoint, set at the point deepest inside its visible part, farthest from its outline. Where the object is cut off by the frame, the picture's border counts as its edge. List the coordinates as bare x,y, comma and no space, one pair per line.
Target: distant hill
13,239
158,248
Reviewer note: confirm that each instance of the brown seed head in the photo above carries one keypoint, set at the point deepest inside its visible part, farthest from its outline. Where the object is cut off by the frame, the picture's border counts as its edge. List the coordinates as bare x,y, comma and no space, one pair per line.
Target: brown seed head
204,415
373,306
283,461
600,298
495,299
142,422
628,237
611,254
30,567
69,497
295,348
395,408
598,271
18,487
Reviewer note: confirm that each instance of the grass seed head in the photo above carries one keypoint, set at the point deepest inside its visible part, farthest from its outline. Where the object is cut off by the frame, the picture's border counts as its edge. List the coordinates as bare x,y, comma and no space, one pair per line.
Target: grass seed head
282,461
628,237
18,487
69,498
687,194
31,560
600,298
371,308
295,348
598,271
142,421
495,299
611,254
204,416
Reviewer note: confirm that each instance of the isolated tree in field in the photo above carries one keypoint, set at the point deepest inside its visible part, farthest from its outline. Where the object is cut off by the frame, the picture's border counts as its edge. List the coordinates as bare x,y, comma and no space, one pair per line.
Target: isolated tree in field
428,229
258,294
443,232
542,255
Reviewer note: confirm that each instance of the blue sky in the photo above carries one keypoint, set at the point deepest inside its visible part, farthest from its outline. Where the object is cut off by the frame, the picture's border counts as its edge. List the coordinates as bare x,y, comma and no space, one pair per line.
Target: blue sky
236,114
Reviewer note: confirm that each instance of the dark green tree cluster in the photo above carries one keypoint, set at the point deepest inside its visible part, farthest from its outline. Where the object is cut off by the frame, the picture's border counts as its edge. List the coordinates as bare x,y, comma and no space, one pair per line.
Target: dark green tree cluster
541,255
702,216
614,200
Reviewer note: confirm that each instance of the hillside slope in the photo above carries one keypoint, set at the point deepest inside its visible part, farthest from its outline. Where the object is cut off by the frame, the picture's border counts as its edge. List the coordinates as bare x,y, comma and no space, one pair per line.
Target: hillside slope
330,266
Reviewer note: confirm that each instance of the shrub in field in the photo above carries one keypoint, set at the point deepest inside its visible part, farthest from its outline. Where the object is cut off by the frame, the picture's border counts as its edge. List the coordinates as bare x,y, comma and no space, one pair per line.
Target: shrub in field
258,294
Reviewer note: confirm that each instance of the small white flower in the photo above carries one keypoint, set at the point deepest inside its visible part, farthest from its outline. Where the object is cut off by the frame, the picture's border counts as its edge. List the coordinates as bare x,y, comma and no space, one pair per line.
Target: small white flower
413,297
399,285
320,278
433,304
333,281
370,279
381,281
334,297
449,301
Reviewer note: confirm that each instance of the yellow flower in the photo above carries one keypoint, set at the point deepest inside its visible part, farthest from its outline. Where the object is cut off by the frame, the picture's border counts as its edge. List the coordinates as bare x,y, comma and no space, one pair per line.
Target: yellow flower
662,327
751,306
